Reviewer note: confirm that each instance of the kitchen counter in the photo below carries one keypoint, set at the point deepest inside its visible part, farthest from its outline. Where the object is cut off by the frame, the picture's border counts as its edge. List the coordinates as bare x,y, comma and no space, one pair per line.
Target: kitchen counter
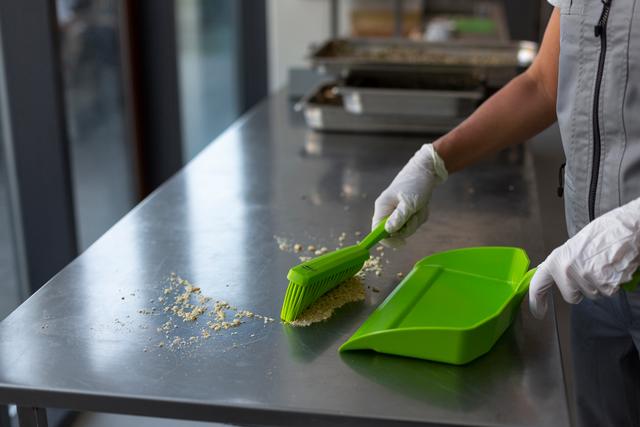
89,339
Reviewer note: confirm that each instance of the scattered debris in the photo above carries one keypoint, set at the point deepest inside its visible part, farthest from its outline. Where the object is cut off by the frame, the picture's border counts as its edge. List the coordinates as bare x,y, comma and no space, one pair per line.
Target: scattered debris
183,301
283,243
177,342
244,313
323,250
219,309
372,265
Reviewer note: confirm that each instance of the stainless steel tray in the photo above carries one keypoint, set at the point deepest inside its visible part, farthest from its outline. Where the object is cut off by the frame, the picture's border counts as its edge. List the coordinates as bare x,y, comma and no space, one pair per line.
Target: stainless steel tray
406,94
324,111
409,102
493,62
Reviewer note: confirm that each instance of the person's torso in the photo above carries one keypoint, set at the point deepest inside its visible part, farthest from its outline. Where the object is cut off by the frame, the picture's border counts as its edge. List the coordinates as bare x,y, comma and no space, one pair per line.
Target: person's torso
599,106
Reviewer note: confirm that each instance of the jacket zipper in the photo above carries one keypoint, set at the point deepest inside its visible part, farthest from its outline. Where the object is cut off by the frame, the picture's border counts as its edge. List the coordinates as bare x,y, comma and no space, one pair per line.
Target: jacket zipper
600,30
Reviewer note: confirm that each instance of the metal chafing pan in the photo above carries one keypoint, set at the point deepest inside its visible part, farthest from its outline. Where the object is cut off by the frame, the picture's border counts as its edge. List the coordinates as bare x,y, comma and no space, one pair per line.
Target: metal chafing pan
420,94
494,62
323,110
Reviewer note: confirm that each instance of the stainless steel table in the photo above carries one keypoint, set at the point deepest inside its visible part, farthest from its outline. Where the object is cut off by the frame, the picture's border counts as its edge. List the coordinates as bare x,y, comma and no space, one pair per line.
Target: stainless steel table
81,343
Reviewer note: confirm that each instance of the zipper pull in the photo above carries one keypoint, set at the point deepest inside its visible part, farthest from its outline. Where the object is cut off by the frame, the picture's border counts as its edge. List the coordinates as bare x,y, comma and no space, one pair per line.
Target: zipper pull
597,30
560,189
604,16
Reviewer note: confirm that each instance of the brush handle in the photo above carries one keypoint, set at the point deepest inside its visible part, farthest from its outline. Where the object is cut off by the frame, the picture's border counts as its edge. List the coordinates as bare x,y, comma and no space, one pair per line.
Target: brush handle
375,236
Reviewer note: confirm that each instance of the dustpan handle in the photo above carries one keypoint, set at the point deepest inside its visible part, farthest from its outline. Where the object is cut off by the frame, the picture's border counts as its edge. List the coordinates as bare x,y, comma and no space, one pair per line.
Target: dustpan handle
377,234
632,284
523,286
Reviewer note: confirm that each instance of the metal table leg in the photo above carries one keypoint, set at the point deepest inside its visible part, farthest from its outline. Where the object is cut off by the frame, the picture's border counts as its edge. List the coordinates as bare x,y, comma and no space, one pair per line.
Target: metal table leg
32,417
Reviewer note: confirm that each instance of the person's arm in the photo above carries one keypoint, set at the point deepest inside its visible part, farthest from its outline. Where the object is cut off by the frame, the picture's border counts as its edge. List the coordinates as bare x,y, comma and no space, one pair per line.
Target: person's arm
520,110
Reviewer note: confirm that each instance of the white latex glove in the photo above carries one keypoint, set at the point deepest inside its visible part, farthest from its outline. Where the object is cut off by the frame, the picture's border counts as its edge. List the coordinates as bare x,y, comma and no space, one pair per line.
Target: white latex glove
406,200
593,263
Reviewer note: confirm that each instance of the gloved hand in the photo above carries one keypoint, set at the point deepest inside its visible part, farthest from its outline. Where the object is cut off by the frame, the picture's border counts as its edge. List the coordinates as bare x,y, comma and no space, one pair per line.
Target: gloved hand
406,200
594,262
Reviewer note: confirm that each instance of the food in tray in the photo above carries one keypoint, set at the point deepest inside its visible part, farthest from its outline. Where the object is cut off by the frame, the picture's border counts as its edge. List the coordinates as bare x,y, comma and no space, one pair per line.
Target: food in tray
419,53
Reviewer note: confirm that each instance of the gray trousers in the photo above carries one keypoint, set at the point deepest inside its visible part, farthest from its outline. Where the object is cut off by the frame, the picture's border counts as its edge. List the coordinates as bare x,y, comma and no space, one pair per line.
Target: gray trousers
605,335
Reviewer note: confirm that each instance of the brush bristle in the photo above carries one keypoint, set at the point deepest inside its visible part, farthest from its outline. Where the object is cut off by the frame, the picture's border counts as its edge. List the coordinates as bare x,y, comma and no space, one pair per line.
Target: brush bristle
299,296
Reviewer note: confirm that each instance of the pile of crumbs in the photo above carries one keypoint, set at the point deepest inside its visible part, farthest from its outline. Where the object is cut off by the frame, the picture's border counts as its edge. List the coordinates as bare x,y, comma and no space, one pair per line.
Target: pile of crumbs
185,303
373,264
350,291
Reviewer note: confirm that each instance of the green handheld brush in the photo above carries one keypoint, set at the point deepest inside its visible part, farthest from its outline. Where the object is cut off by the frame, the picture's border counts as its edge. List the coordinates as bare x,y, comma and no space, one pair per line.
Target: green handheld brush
311,279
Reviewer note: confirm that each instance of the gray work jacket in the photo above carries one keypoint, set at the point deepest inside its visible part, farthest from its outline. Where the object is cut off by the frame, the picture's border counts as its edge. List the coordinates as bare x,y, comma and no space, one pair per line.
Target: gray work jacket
599,106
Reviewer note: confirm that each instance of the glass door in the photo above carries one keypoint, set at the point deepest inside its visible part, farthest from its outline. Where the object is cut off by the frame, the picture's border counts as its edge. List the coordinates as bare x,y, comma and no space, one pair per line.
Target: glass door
101,152
208,68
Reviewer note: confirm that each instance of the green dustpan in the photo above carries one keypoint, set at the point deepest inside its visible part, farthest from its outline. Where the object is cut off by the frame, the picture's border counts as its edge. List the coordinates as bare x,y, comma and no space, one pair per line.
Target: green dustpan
451,308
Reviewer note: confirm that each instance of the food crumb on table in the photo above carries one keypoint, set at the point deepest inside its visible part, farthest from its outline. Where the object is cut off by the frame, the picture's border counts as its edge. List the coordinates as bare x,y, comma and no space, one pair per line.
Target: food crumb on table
185,301
283,243
323,250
